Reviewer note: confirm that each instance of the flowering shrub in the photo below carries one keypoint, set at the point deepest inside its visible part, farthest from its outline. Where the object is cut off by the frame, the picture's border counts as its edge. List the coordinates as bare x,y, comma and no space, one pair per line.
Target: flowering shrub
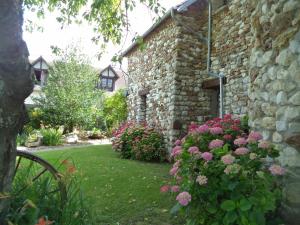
223,175
139,141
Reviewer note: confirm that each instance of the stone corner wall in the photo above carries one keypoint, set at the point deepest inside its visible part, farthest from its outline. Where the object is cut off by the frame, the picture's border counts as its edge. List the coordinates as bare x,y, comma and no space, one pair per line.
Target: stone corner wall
274,105
152,80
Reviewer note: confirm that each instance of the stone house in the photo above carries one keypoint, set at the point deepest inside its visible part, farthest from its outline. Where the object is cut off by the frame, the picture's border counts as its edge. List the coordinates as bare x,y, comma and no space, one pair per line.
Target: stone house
255,44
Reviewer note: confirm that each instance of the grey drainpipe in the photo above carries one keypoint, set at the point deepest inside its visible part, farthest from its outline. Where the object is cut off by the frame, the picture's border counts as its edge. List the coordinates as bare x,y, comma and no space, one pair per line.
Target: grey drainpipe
209,72
208,41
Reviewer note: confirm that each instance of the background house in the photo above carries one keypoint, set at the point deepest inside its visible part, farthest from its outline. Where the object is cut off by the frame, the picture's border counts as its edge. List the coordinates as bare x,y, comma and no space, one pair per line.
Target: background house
255,43
111,80
40,74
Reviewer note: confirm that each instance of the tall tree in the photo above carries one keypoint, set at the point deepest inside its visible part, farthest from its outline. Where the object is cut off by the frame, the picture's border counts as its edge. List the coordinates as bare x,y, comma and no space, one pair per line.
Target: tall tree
15,86
70,98
109,17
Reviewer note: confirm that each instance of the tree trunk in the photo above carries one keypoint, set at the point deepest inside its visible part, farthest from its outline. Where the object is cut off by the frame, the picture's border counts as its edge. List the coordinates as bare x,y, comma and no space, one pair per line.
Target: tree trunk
15,85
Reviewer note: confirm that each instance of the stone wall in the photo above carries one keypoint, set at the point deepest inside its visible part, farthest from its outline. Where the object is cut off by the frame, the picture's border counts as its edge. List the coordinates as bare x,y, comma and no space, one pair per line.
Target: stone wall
231,46
152,79
274,106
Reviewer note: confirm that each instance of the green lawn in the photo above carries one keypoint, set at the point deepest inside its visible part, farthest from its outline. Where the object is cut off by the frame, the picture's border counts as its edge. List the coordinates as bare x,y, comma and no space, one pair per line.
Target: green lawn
120,191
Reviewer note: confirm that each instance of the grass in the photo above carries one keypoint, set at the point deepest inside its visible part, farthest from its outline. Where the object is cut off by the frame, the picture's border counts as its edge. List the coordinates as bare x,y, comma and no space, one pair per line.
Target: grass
120,191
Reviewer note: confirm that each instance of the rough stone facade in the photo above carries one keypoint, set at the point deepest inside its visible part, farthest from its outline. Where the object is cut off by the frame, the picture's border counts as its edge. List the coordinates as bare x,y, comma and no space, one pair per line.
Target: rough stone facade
256,45
274,106
166,78
232,43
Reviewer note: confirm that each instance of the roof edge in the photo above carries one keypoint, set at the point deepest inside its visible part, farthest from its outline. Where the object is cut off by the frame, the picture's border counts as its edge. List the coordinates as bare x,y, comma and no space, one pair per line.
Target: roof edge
152,28
179,8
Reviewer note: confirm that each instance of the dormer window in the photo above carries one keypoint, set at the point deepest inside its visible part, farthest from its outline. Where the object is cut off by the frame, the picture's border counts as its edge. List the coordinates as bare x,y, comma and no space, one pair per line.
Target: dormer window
40,68
107,79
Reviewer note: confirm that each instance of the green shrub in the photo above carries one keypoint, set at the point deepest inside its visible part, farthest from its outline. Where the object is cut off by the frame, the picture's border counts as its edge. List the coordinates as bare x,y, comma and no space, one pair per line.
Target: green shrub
138,141
36,202
35,118
115,109
95,134
27,135
21,139
51,137
226,176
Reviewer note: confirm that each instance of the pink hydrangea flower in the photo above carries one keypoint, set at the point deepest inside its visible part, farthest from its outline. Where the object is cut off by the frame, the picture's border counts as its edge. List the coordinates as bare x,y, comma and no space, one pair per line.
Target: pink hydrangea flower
164,188
255,135
175,188
277,170
216,144
184,198
216,130
240,141
264,144
177,150
251,140
193,127
241,151
203,129
228,159
227,117
234,127
227,137
178,142
207,156
177,163
193,150
174,171
202,180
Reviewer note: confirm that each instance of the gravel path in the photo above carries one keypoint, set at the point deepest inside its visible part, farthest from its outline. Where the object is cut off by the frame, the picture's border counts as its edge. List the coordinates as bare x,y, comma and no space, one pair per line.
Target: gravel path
66,146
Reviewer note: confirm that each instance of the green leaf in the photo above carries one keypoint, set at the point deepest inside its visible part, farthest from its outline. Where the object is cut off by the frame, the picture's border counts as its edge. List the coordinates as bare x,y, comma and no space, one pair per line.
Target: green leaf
245,204
215,223
228,205
230,217
211,209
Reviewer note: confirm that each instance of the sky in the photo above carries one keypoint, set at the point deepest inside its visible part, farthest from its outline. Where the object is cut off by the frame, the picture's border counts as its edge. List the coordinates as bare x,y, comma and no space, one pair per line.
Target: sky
39,42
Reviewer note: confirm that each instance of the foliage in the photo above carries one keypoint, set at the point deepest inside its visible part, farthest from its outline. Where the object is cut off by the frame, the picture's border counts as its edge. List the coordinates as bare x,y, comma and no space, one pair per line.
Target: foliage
115,109
139,141
120,191
108,18
95,134
245,123
227,175
35,118
51,136
37,205
70,97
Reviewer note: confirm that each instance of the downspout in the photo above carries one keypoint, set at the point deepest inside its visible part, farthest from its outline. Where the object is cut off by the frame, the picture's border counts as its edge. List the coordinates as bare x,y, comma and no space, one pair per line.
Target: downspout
209,72
208,41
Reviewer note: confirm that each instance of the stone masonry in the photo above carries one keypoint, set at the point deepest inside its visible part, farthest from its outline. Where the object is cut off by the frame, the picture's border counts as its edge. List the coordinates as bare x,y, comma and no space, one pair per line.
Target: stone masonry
256,45
274,106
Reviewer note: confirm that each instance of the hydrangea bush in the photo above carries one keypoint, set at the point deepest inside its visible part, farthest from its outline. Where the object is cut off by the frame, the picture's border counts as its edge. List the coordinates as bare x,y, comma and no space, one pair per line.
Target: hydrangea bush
139,141
225,175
